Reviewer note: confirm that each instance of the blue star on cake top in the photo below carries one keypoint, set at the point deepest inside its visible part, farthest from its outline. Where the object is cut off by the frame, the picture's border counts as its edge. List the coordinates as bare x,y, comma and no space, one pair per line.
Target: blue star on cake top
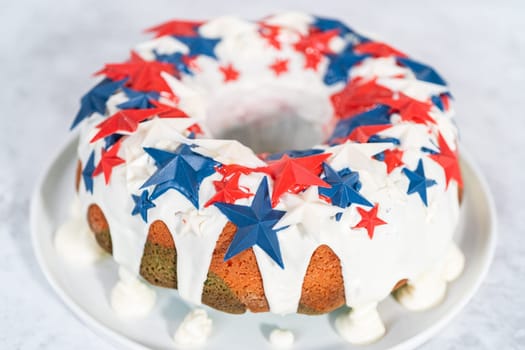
255,225
418,182
96,98
87,173
182,170
199,45
345,186
142,205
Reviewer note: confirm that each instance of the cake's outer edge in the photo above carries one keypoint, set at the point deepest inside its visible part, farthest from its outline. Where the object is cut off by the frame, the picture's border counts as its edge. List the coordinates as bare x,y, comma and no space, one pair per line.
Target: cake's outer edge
416,234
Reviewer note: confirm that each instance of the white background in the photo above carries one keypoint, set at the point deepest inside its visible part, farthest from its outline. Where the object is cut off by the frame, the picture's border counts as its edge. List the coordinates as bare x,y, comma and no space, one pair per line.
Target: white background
48,49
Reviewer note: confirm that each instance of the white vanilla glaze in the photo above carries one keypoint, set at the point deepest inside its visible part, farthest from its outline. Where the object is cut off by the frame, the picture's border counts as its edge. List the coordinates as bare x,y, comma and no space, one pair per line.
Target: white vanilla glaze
361,325
415,238
74,240
429,288
194,330
281,338
130,297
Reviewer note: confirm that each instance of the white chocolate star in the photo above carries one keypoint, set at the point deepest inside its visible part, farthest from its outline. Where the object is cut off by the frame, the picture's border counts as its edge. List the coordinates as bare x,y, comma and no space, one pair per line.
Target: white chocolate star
412,136
192,101
114,101
228,152
297,21
307,211
393,187
358,157
226,26
166,133
417,89
192,221
163,45
447,128
378,67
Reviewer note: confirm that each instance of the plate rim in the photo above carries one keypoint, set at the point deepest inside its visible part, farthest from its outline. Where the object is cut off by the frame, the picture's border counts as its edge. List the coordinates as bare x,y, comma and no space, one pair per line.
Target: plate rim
116,338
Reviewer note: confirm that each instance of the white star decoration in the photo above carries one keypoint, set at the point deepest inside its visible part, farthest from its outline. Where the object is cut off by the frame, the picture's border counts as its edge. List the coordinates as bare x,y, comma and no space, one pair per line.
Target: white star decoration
192,102
192,221
228,152
412,138
359,157
307,211
378,68
393,187
446,127
417,89
163,45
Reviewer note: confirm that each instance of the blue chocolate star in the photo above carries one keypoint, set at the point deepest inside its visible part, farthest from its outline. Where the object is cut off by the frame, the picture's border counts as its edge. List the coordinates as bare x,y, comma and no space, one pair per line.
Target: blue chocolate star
422,72
418,181
379,115
345,186
142,205
339,66
87,173
111,140
182,170
95,100
199,45
294,154
325,24
255,225
176,59
138,100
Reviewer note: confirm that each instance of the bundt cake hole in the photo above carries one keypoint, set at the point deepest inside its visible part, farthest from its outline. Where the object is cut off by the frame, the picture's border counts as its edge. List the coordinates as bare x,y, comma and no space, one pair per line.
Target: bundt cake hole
269,119
276,134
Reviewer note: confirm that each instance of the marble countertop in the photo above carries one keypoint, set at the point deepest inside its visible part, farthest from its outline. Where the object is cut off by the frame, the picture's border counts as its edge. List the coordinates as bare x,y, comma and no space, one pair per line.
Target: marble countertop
48,49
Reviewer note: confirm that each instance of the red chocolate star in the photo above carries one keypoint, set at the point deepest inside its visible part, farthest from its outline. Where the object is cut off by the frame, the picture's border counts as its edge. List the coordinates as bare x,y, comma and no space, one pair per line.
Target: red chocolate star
165,111
293,175
228,190
312,60
362,133
410,109
270,33
377,49
448,159
314,46
126,120
230,73
142,75
196,129
279,66
176,27
108,161
317,41
231,169
369,220
359,96
191,62
393,159
446,102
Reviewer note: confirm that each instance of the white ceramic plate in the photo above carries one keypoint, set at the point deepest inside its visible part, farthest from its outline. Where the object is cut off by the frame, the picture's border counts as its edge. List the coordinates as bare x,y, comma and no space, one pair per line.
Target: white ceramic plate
86,290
